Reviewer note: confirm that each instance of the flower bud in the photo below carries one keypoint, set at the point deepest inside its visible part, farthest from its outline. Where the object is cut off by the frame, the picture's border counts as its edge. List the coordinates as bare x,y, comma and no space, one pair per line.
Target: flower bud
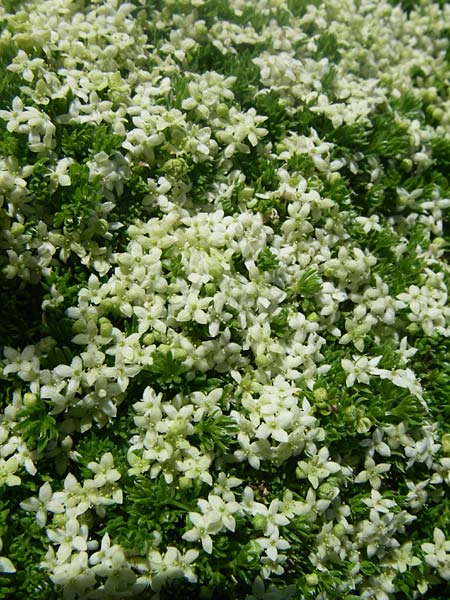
262,361
445,440
327,491
17,228
363,425
259,522
184,483
105,327
29,399
148,339
312,579
179,354
321,395
339,530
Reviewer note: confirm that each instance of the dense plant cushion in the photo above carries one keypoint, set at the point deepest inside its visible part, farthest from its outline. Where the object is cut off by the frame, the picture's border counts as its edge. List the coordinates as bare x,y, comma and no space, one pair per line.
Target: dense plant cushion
225,327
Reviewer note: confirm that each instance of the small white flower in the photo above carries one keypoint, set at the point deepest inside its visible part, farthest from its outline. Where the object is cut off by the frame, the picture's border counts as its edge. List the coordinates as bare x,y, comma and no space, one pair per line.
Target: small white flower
202,530
46,502
359,369
317,468
437,554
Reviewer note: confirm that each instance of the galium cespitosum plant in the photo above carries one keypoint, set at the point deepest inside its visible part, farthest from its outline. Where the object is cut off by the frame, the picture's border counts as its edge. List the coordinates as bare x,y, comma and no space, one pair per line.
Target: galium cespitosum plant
225,326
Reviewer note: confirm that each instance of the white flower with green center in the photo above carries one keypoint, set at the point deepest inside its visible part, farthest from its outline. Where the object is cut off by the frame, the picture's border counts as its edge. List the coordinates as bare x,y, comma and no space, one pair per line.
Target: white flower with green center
372,472
104,471
359,369
437,554
271,545
72,537
203,529
317,467
46,502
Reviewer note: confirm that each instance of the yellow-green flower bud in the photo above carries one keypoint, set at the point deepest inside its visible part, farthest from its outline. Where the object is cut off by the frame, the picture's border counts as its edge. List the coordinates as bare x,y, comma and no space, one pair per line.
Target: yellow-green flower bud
148,339
339,530
179,354
320,394
29,399
105,327
312,579
445,441
259,522
184,483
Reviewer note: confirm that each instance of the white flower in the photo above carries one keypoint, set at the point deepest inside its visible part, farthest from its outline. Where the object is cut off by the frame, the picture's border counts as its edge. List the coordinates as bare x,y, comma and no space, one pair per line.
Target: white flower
72,537
360,369
272,544
73,373
202,530
218,511
403,558
46,502
317,467
6,566
372,472
108,558
376,444
104,470
7,472
437,554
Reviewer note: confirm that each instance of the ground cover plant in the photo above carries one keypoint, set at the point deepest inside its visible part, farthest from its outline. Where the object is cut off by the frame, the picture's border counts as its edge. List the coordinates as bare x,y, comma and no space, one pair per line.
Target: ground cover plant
225,327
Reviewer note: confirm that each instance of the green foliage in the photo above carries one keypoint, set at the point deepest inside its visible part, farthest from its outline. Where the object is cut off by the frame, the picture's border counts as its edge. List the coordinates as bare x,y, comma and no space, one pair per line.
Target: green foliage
24,545
309,283
269,104
302,163
68,280
219,10
149,505
9,142
385,403
230,205
433,366
36,426
172,263
402,271
201,177
78,201
279,324
353,137
208,58
21,315
134,202
166,371
12,6
37,184
389,138
80,141
441,154
10,82
327,46
408,105
97,443
267,260
405,583
299,7
338,189
214,433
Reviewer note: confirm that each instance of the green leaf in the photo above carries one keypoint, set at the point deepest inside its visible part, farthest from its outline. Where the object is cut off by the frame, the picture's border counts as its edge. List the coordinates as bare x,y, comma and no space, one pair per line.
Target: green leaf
214,433
37,427
267,260
309,283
